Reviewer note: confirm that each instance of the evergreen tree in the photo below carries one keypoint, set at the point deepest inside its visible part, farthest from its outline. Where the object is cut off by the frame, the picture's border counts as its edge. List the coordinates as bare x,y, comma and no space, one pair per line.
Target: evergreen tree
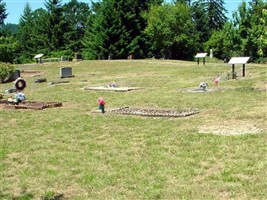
56,26
116,29
12,28
40,33
188,2
3,13
75,16
201,23
25,34
216,13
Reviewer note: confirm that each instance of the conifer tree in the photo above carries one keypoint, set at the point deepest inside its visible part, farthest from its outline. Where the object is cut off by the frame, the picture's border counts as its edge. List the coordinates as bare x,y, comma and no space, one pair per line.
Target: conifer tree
3,13
216,11
116,29
75,15
55,24
25,34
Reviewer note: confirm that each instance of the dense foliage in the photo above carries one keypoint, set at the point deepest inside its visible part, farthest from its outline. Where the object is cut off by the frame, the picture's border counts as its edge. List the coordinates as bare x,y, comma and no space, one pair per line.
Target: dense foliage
151,28
6,69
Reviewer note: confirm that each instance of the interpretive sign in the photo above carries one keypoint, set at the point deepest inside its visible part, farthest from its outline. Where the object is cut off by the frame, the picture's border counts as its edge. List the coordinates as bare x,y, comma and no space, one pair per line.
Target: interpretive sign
38,58
238,60
201,55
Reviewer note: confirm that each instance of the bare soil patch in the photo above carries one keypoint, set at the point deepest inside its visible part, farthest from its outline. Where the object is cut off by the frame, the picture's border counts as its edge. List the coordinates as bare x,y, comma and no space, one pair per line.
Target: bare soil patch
261,86
232,128
199,90
30,73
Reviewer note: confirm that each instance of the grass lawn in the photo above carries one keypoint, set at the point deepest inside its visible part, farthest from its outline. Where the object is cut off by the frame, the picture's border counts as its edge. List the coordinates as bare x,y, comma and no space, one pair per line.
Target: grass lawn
71,152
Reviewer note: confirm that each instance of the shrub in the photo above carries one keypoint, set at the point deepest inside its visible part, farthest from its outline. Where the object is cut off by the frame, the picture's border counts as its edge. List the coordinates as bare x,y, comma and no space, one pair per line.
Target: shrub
6,69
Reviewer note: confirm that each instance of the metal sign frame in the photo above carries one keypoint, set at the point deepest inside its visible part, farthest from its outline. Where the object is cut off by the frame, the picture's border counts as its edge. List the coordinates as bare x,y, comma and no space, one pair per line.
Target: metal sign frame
201,55
238,60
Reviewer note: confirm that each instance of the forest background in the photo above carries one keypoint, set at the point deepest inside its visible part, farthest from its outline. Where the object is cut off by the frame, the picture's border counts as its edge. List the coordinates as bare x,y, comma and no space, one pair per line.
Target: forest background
116,29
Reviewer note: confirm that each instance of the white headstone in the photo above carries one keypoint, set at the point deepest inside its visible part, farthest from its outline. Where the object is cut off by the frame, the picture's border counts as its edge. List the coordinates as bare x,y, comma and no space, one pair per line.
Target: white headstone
211,53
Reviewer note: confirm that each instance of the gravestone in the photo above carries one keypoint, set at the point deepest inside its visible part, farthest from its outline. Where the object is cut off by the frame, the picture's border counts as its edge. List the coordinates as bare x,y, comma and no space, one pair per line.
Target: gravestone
66,72
64,58
78,56
130,57
211,53
15,75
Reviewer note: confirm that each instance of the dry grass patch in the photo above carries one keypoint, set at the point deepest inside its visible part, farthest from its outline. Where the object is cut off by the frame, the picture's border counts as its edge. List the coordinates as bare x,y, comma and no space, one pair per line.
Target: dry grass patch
232,127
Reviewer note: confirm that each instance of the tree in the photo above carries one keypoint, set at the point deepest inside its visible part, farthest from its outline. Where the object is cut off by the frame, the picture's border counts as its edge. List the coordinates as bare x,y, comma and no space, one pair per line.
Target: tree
55,24
6,69
8,47
225,43
246,35
215,10
258,30
201,23
170,28
188,2
12,28
116,29
75,15
25,34
3,13
251,25
100,33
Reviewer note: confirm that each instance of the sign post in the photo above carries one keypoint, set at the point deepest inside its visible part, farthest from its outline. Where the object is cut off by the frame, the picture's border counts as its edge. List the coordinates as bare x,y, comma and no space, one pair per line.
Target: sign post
238,60
201,55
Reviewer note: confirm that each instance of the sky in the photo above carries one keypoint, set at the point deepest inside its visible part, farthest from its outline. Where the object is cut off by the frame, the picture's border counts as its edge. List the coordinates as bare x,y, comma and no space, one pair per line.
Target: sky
15,8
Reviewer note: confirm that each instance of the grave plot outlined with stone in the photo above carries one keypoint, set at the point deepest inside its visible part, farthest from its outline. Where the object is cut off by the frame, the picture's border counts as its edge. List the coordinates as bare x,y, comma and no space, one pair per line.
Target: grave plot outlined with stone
34,105
114,89
152,112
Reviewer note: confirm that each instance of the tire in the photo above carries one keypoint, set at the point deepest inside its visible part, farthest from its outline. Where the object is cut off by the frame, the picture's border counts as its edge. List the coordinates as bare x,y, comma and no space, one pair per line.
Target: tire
20,84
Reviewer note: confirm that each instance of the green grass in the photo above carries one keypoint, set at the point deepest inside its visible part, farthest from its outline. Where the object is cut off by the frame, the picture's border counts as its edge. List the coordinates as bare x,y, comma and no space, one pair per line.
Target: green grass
72,153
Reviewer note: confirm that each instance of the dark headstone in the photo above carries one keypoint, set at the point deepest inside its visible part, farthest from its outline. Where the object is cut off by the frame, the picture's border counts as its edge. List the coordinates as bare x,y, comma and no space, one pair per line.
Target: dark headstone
13,76
78,56
66,72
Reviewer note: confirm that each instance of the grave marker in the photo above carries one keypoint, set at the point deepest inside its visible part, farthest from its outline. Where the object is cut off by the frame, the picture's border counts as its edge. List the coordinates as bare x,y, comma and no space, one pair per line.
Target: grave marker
78,56
66,72
15,75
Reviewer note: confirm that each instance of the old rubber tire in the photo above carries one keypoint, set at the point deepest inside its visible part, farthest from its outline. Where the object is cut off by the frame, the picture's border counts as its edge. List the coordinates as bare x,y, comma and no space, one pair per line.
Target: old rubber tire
20,84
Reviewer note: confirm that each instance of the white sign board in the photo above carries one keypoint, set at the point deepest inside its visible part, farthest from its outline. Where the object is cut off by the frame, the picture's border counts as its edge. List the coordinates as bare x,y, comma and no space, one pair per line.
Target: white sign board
38,56
201,55
238,60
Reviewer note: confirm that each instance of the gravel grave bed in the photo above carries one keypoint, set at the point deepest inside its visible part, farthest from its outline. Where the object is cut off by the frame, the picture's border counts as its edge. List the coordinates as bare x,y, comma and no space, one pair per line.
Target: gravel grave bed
115,89
35,105
153,112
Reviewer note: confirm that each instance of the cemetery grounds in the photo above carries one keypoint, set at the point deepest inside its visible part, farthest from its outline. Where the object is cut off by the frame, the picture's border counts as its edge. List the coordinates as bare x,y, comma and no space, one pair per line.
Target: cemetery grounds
72,152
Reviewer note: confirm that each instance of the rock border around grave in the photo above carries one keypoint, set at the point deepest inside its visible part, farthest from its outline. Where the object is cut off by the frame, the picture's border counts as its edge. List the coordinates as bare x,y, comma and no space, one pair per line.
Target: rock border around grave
114,89
33,105
150,112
